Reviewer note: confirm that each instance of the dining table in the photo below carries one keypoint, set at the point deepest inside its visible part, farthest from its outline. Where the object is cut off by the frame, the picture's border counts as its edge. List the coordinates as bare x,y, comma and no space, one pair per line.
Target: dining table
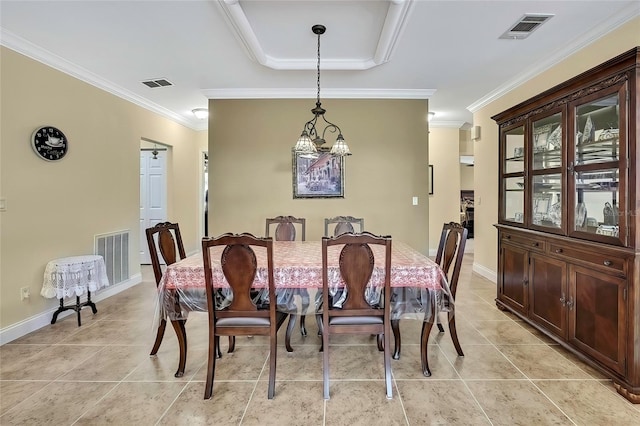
419,286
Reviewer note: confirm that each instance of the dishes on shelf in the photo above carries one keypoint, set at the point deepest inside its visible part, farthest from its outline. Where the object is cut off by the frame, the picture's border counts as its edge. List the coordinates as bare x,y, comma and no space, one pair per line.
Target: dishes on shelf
555,138
589,131
581,215
555,214
608,134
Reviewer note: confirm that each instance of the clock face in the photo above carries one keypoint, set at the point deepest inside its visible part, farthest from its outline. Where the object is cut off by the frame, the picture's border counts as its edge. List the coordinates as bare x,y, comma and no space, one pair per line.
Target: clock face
49,143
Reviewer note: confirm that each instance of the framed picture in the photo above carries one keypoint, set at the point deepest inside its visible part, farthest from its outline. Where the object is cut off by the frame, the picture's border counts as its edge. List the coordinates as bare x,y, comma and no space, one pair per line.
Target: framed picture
430,179
321,176
540,137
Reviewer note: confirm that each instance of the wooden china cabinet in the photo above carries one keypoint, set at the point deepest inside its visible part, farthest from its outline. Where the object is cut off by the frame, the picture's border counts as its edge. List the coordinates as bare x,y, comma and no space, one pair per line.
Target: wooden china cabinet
568,228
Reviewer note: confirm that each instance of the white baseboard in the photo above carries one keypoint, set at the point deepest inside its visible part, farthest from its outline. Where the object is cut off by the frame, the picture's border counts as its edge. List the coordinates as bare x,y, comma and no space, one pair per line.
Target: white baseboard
19,329
485,272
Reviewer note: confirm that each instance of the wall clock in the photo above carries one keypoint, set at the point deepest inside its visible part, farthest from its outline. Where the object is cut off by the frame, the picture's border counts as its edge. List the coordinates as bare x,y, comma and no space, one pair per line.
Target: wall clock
49,143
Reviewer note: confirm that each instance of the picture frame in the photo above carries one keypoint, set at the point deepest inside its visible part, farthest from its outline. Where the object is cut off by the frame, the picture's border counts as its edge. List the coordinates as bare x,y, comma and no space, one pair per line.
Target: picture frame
430,179
540,137
320,176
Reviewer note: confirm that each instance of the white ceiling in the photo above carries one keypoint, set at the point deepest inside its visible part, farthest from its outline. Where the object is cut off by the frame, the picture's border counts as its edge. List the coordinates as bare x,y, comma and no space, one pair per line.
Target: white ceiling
446,51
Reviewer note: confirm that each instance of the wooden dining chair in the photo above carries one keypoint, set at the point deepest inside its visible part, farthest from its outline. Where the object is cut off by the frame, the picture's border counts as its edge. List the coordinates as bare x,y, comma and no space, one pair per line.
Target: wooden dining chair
450,253
286,231
343,224
286,228
242,317
355,262
163,238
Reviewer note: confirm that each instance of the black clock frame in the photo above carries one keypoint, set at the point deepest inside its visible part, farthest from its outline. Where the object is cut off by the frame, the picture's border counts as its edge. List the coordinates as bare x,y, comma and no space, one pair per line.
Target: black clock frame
49,143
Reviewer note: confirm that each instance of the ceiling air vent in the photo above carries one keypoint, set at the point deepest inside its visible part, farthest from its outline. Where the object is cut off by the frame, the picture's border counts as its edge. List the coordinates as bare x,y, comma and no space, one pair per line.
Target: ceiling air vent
159,82
526,25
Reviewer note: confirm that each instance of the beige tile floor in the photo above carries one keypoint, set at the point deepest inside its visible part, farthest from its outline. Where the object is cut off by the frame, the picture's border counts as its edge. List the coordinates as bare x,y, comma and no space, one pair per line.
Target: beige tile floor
101,373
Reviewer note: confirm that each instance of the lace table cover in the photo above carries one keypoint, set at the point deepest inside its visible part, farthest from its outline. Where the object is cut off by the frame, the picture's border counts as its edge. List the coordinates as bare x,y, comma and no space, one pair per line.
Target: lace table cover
74,276
418,284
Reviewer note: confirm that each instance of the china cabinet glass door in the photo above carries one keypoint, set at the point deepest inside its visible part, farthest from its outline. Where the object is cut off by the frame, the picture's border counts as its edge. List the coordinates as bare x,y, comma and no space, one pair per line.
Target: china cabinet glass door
546,168
597,167
513,176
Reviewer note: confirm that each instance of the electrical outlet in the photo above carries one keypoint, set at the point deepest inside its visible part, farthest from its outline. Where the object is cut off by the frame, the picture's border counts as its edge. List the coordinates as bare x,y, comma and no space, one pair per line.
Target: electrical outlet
25,293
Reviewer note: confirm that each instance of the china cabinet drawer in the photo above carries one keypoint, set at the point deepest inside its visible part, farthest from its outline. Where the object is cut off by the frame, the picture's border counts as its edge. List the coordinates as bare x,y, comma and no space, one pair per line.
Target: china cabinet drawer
600,260
536,244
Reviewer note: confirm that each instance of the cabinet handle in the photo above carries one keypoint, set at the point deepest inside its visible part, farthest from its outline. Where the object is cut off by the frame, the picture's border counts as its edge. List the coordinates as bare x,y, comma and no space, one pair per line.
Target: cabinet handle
525,281
558,250
563,300
570,303
508,237
536,244
607,263
570,168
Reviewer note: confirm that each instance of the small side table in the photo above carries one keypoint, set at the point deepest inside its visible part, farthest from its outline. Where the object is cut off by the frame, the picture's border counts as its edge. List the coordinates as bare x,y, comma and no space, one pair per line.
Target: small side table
71,276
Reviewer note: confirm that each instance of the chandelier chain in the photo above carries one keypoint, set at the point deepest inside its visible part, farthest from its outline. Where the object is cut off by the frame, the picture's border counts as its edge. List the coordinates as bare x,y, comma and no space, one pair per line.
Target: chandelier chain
318,68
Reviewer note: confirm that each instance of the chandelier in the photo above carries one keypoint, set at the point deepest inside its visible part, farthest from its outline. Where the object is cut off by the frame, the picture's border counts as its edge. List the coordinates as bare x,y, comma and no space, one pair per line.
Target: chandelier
311,138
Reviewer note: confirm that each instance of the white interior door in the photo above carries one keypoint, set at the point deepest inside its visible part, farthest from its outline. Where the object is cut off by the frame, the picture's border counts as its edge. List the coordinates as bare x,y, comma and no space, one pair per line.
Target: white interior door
153,196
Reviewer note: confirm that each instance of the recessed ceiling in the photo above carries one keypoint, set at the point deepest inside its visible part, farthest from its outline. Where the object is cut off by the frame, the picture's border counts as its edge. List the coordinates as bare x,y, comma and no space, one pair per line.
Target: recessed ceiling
448,52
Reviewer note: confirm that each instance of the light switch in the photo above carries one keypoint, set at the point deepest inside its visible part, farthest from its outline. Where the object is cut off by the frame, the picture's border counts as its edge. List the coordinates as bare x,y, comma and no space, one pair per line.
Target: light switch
3,204
415,201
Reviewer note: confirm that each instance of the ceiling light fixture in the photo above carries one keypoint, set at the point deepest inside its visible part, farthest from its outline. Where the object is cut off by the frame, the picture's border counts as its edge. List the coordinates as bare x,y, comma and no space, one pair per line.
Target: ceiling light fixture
200,113
311,138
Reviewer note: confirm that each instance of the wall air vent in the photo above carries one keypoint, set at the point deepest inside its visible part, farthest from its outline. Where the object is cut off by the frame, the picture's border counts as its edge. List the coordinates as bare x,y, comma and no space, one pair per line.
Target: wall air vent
158,82
526,25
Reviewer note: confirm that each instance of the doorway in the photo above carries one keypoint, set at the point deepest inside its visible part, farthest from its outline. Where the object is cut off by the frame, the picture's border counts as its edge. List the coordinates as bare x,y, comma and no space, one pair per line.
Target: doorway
153,194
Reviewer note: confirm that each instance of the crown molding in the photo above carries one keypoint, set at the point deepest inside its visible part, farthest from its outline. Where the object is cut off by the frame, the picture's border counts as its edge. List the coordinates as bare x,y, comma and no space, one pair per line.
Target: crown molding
567,50
312,93
37,53
394,24
433,124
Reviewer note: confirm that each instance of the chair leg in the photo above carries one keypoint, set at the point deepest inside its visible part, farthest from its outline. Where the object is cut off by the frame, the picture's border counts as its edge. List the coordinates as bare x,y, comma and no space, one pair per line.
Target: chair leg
303,329
395,326
272,365
217,343
290,327
211,366
325,364
232,344
159,336
306,301
454,335
424,339
319,321
387,364
380,340
181,334
439,324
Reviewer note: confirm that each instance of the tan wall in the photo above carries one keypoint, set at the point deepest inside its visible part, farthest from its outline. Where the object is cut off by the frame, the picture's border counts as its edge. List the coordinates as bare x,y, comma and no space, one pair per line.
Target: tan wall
54,209
466,148
486,149
250,175
444,204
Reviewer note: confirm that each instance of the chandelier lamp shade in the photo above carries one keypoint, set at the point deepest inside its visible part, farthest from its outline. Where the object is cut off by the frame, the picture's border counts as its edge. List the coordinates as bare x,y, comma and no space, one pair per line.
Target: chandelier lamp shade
313,134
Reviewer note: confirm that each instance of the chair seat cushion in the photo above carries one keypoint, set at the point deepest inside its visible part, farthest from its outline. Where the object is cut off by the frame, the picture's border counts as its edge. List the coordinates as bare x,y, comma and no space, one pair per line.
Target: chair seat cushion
355,320
243,322
249,321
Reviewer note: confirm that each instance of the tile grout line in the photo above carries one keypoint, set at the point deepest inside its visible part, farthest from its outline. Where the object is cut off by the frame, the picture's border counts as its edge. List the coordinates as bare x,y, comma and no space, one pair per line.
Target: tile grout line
464,383
520,371
253,391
